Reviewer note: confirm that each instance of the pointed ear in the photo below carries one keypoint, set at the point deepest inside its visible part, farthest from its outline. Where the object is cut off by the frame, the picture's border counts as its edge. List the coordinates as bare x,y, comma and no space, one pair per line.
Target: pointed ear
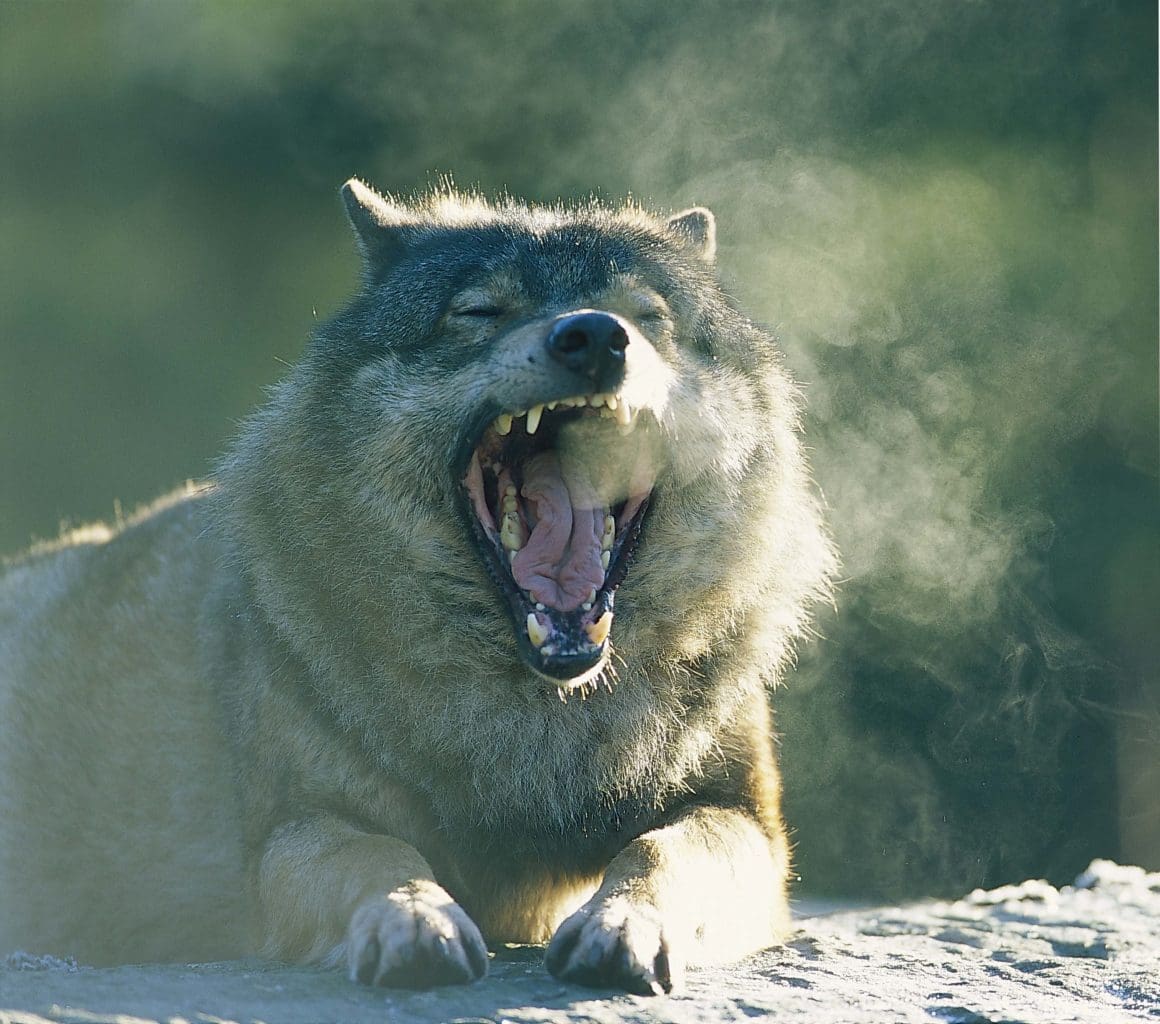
698,229
379,224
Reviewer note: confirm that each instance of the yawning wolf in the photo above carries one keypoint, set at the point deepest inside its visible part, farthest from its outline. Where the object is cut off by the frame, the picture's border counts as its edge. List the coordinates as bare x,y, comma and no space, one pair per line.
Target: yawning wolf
469,640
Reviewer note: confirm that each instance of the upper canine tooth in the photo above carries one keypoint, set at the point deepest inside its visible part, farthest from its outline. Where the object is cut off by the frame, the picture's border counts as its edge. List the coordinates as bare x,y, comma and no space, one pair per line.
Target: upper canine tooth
534,414
623,414
537,633
503,423
598,631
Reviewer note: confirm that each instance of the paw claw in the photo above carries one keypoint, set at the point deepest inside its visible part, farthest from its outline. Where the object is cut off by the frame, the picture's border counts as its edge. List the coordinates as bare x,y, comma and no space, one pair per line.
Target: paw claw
364,966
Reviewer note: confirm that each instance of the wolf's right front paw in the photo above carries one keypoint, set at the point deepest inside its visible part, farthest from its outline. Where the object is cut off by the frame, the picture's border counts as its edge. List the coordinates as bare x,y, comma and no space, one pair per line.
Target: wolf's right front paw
414,937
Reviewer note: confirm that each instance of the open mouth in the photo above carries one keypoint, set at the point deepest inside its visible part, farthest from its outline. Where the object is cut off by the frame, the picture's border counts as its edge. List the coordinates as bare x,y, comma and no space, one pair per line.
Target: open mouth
557,495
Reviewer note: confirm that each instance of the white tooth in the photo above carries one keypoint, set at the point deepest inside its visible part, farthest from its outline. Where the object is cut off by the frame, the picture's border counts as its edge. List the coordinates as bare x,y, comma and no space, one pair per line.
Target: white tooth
587,606
503,423
609,533
552,406
579,402
596,401
592,595
598,630
610,401
605,558
512,555
509,504
534,414
623,414
539,606
536,633
509,491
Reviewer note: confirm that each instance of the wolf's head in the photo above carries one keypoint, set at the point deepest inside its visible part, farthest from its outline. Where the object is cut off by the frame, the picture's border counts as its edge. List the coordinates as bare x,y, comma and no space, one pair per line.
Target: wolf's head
545,415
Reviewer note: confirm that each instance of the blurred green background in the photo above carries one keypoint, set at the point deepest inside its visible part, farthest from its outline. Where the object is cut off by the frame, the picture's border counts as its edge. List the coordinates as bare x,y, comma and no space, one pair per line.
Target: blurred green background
947,210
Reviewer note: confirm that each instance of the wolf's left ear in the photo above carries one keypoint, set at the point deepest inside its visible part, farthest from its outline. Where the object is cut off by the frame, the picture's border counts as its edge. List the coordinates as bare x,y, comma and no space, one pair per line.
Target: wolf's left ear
698,228
379,224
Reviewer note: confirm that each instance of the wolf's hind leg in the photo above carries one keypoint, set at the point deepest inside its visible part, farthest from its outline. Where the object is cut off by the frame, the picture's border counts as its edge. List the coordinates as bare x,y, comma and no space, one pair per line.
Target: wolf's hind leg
710,887
333,894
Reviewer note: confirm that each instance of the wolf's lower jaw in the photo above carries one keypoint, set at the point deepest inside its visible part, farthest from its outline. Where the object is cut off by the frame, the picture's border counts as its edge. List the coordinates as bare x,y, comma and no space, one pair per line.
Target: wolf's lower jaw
584,684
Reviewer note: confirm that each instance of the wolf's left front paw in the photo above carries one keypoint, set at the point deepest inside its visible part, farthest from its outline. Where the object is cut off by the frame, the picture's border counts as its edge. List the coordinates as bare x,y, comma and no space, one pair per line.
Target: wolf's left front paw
616,943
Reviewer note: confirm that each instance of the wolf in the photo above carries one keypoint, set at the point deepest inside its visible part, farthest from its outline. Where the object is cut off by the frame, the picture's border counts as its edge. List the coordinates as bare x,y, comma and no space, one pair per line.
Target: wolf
468,640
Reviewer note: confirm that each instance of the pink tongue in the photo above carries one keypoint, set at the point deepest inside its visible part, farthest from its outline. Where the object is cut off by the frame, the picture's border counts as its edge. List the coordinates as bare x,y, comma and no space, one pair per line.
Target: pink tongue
560,563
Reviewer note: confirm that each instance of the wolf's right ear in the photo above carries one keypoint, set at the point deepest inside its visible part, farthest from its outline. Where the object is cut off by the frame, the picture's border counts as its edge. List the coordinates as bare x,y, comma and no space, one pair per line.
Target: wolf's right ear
379,224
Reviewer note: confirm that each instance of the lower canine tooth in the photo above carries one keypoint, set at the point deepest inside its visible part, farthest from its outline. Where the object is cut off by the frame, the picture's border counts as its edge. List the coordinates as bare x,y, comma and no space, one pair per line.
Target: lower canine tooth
537,633
510,535
598,630
623,414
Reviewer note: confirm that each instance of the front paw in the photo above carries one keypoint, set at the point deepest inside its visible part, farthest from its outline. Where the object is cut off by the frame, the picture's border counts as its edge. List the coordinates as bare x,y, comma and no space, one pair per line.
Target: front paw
616,943
414,937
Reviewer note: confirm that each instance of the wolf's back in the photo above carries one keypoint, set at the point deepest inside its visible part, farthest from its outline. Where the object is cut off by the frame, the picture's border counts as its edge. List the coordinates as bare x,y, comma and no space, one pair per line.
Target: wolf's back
119,839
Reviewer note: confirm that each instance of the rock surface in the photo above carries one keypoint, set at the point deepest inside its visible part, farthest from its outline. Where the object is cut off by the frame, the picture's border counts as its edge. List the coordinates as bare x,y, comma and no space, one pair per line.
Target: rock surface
1030,953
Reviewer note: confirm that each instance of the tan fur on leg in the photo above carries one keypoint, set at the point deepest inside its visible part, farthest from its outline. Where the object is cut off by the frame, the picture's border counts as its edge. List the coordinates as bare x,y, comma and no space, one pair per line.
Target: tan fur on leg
333,894
710,887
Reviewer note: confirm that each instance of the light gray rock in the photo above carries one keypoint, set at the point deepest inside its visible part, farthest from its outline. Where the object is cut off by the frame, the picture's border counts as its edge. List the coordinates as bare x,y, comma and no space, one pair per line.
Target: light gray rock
1030,953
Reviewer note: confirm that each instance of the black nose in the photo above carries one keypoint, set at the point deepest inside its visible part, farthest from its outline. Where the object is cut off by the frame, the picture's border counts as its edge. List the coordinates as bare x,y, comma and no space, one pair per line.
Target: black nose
591,344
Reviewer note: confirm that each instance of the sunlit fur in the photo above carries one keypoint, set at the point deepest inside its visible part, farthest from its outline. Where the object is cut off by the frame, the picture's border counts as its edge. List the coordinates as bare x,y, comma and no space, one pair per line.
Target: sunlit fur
302,675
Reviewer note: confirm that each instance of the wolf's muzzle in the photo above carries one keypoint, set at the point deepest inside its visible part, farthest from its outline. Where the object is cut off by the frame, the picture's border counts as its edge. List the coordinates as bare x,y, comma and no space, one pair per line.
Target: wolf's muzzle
591,344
